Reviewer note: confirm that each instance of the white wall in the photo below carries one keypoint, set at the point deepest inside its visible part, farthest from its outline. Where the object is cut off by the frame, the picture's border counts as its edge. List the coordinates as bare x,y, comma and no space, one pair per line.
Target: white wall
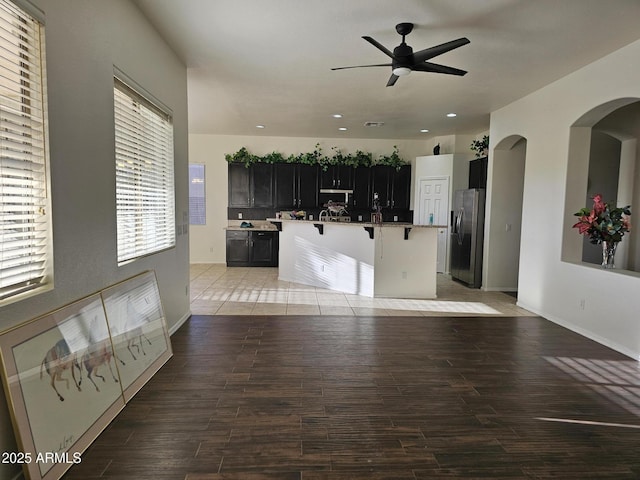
84,40
547,285
207,242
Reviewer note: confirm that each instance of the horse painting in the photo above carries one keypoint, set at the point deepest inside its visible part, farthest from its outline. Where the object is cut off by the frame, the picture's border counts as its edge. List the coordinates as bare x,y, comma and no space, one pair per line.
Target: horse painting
134,333
58,359
96,357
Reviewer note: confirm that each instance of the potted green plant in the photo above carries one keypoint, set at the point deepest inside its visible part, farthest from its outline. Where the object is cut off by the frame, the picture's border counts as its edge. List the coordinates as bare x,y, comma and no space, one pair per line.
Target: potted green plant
480,147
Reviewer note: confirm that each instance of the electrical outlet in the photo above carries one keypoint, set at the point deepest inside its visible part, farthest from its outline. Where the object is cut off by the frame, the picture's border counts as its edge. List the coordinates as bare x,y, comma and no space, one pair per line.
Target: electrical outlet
582,303
240,216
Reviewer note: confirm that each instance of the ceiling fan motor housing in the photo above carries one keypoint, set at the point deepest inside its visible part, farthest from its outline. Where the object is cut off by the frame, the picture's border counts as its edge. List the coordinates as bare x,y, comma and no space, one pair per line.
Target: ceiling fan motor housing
402,56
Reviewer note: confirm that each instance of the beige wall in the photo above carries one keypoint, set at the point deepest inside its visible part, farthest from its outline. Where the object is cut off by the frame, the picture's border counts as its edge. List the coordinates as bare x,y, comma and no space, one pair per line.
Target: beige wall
84,40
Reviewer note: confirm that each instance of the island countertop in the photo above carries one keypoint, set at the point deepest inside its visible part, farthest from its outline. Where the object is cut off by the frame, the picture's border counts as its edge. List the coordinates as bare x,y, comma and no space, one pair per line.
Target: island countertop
355,224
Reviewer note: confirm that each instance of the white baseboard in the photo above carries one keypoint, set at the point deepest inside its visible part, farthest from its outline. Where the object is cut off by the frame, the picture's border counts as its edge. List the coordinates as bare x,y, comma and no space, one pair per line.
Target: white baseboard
585,333
179,323
500,289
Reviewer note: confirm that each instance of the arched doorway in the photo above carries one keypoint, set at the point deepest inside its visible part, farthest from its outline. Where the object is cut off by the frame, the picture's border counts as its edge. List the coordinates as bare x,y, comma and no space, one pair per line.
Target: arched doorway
502,231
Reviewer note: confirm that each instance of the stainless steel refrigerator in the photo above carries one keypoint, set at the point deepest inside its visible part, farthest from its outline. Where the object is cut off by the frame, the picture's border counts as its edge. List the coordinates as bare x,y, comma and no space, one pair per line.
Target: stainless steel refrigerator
467,236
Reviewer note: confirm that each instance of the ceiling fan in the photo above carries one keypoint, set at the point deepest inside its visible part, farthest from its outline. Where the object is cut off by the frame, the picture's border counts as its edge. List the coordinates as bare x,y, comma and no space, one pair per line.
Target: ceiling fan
404,61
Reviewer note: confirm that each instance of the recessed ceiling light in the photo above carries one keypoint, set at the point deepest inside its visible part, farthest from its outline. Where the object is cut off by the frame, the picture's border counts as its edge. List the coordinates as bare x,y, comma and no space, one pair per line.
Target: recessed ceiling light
342,129
336,115
424,130
259,126
451,115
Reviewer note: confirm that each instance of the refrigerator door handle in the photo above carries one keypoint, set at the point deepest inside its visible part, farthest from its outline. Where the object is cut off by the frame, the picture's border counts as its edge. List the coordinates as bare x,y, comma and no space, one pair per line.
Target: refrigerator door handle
459,226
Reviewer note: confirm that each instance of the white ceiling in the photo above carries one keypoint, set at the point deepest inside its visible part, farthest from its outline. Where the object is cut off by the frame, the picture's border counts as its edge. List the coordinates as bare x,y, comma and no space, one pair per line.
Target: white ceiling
269,62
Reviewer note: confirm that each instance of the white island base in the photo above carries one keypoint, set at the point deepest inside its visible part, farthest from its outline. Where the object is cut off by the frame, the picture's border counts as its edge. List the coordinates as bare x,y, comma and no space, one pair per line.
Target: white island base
389,260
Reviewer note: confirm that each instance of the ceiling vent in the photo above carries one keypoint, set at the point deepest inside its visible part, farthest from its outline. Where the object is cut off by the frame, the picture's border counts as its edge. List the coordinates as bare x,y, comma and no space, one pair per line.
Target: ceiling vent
373,124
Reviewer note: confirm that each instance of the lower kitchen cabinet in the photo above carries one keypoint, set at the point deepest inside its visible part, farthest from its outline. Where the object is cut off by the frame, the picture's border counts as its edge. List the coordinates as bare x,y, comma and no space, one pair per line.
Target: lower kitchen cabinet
252,248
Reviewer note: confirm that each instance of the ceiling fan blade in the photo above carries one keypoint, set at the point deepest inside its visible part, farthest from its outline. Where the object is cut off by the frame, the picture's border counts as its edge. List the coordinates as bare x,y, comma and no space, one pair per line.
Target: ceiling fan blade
435,68
364,66
428,53
379,46
392,80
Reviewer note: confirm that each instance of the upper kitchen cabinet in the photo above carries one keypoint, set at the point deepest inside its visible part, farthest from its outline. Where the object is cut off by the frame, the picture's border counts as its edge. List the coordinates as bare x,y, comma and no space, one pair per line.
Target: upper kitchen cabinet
250,187
392,185
296,186
362,195
337,177
478,173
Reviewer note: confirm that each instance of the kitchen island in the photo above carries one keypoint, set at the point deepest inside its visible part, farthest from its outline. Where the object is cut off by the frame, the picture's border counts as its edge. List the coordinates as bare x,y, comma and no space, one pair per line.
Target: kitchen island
375,260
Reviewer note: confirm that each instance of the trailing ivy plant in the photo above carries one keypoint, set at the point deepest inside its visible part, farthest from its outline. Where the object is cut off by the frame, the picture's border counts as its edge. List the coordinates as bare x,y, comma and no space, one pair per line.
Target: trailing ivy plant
316,157
273,157
392,160
311,158
242,156
362,159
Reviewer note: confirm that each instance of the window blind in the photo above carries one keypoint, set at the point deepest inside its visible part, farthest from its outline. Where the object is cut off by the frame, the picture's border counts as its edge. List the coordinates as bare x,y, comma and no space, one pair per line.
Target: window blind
24,219
197,204
145,204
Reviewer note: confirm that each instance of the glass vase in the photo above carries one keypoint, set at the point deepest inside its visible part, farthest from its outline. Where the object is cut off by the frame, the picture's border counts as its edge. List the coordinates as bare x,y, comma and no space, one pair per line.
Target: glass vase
609,254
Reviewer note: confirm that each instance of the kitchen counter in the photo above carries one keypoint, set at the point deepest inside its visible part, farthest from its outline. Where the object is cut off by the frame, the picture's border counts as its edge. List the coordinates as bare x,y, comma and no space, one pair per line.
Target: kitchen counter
258,225
254,228
392,259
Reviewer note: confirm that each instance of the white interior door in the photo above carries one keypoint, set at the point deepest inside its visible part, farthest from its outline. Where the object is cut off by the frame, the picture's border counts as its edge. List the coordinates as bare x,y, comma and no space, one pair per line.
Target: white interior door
434,209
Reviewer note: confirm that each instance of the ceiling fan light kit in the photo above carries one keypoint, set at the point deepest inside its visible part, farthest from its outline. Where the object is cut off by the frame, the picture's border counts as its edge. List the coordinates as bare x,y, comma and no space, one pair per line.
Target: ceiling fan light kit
404,60
401,71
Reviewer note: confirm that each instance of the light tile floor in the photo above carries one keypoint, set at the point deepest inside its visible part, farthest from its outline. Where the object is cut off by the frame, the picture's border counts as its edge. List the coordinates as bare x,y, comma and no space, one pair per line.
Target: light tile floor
218,290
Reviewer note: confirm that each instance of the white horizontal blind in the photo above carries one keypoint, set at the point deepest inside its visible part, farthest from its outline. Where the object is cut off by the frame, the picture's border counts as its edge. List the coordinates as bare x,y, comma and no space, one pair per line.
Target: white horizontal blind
197,201
24,223
144,175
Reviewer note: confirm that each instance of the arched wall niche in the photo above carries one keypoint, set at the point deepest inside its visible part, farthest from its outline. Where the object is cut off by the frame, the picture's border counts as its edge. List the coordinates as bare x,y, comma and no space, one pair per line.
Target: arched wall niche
503,228
603,158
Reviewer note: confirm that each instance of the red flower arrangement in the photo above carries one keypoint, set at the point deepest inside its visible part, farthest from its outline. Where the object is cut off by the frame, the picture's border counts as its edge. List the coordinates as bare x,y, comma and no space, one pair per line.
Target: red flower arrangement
602,223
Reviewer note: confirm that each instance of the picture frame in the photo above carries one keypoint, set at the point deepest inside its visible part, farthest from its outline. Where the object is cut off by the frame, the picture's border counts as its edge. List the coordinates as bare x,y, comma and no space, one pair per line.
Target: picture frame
57,412
138,330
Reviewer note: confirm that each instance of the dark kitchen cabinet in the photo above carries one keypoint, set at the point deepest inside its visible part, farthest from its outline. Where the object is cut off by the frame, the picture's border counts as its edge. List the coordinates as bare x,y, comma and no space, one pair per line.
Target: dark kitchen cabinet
296,186
362,195
263,250
237,248
250,187
401,188
239,185
337,177
252,248
392,185
478,173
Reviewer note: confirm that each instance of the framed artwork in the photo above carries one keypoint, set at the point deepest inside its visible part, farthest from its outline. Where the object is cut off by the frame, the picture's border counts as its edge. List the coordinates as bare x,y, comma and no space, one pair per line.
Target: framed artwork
62,385
138,330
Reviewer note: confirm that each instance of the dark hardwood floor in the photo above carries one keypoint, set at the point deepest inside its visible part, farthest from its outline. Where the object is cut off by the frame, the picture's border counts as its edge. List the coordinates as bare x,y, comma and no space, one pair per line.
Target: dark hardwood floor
336,398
